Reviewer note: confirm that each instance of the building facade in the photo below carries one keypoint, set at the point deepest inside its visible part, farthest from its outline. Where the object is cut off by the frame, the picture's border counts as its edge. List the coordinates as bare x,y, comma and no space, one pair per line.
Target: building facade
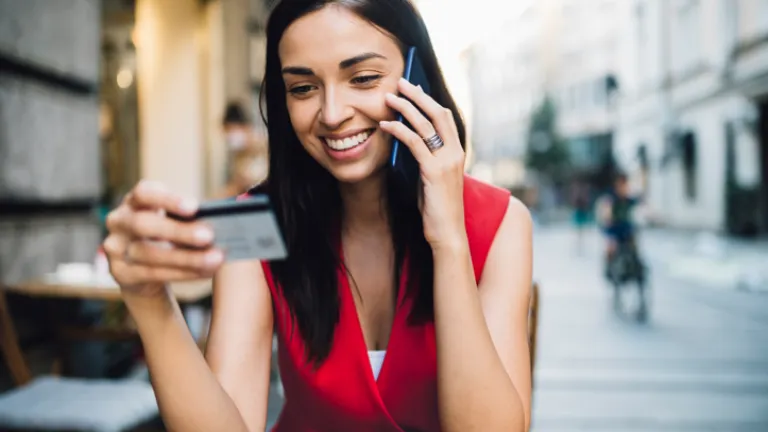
693,110
506,81
584,83
563,49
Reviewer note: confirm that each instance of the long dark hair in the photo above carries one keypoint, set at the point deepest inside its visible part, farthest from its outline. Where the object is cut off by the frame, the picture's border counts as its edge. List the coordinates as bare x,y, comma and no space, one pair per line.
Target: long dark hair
306,197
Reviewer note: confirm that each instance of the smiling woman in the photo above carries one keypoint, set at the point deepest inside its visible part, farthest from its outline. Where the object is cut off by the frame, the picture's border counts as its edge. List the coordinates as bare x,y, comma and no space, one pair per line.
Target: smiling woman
399,307
364,75
335,103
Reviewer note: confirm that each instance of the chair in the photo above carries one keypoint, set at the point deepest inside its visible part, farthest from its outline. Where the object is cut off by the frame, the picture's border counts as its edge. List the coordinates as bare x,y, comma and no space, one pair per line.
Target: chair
55,403
533,324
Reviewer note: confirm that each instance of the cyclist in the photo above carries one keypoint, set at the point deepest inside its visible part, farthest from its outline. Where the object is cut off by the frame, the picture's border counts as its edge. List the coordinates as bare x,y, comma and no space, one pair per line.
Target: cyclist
616,215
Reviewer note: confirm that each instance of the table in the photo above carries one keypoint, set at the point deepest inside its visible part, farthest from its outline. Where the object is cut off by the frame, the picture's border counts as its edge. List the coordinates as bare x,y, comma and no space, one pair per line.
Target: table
96,288
103,289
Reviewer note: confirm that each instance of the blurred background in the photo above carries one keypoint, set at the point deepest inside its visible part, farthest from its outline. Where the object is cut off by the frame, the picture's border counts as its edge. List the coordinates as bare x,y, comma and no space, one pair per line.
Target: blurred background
560,96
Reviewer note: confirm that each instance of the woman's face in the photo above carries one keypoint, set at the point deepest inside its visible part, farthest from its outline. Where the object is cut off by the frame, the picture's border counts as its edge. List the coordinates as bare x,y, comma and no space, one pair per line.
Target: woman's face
337,69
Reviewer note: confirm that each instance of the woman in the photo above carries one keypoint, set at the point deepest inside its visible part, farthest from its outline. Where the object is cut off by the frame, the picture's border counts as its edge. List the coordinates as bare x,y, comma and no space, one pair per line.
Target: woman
437,282
246,152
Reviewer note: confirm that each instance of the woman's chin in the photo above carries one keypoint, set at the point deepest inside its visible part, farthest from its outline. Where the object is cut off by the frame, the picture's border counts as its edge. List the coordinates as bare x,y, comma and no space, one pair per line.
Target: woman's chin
357,173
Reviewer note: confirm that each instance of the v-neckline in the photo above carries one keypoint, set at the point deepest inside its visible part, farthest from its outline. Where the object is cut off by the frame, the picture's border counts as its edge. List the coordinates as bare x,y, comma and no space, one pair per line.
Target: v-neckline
362,348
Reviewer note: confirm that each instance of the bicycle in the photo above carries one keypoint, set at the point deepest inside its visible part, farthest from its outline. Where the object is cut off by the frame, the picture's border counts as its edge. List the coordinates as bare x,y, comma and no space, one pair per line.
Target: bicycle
626,267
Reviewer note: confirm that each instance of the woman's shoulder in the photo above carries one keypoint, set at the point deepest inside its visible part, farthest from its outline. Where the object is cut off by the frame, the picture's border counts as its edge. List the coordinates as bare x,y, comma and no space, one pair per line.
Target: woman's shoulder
479,192
485,206
257,189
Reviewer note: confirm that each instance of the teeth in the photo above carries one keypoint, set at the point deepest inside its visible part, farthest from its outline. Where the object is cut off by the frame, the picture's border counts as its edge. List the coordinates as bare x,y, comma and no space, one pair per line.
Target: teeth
348,143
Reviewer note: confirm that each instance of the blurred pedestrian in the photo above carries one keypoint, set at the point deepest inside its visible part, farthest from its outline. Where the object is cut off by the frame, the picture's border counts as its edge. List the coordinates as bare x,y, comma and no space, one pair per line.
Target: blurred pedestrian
247,162
248,167
581,203
237,126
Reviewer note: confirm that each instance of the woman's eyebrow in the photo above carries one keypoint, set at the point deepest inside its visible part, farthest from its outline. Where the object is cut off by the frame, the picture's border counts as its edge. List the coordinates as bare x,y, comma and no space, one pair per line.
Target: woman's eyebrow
344,64
348,63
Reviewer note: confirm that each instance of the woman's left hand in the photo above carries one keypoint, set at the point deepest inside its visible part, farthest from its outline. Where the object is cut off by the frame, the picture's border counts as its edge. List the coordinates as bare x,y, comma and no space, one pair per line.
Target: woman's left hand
442,170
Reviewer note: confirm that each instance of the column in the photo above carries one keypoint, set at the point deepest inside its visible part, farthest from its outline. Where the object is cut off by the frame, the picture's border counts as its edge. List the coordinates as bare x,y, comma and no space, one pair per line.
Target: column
171,93
237,15
214,48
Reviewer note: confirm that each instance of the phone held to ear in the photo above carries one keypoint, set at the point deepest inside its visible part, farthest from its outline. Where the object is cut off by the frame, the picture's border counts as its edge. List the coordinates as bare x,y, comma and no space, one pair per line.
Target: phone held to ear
244,228
402,161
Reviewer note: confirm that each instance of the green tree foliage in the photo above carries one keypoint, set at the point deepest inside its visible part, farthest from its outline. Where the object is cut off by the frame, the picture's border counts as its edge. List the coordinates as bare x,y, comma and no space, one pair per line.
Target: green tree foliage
546,152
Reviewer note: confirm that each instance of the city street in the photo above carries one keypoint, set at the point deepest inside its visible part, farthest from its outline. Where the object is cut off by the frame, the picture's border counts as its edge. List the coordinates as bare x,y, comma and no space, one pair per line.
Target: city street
700,364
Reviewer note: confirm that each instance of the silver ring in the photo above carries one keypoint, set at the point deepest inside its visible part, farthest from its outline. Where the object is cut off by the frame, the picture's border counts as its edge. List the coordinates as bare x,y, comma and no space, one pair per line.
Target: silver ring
126,257
434,142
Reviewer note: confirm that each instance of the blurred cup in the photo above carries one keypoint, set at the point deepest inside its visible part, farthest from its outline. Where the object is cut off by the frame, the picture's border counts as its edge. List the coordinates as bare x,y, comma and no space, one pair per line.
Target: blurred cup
74,272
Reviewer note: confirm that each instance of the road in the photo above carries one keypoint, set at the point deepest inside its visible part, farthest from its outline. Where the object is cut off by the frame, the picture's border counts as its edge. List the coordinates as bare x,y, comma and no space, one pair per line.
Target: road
700,364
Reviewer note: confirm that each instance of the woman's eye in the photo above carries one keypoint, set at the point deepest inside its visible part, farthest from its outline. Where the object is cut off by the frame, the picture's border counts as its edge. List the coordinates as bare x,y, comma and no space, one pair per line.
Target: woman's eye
365,79
301,90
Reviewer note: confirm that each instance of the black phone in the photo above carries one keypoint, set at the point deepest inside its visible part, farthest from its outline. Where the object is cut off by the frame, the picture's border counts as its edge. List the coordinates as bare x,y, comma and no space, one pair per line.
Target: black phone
401,160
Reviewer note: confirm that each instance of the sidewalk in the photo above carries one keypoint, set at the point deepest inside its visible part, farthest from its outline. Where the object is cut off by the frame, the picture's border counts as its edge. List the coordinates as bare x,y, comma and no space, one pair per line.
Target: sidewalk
713,260
704,258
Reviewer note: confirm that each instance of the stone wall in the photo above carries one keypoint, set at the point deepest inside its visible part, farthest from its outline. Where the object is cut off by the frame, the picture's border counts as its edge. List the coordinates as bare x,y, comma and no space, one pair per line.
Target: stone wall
61,35
50,162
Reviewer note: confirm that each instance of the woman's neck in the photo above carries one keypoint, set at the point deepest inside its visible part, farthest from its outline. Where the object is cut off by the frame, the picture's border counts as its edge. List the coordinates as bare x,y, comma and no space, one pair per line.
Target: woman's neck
365,206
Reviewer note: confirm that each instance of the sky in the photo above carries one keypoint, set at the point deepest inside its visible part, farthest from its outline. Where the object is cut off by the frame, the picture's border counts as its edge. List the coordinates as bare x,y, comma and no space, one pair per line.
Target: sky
453,26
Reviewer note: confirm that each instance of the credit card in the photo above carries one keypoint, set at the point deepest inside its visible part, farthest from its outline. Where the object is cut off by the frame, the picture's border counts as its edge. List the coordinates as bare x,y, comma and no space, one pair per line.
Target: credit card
244,229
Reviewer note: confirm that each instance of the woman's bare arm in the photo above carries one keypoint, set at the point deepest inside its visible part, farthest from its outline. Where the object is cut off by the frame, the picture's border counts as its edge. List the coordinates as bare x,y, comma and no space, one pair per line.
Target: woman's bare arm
229,391
484,375
240,341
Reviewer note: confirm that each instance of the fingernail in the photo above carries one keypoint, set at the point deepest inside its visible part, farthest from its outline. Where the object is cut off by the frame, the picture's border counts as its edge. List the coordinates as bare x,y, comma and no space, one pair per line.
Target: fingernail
383,123
188,205
204,235
390,95
213,257
404,81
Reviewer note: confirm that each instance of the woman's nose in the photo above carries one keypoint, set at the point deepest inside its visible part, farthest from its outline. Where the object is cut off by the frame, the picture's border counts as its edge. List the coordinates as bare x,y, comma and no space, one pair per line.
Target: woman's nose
335,110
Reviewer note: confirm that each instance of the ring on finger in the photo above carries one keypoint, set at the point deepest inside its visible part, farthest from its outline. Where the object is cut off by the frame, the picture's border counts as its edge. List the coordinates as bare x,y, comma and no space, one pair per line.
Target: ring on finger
434,142
127,253
127,256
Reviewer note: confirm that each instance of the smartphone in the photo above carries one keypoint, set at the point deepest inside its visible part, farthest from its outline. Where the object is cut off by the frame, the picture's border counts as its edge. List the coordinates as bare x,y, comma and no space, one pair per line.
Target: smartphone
401,160
243,228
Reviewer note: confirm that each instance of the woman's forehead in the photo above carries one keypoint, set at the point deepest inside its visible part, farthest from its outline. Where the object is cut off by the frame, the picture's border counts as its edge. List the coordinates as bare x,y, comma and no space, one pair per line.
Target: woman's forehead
330,35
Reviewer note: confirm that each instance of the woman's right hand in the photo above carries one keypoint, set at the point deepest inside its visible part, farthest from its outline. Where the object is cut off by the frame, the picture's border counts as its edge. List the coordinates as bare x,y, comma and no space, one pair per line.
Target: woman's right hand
146,249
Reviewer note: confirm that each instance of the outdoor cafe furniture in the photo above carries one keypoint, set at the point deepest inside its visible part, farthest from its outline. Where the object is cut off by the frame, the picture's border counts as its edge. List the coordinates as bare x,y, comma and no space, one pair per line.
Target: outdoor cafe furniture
59,403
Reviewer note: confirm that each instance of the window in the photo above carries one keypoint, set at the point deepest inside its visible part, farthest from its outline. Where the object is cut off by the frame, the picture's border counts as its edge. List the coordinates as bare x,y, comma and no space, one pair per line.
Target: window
640,21
607,7
763,14
599,90
587,98
572,97
690,166
641,41
687,35
642,157
562,99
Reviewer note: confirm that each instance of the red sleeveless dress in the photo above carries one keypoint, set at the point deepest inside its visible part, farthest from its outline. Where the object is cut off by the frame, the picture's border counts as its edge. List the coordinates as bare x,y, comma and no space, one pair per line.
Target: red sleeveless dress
342,394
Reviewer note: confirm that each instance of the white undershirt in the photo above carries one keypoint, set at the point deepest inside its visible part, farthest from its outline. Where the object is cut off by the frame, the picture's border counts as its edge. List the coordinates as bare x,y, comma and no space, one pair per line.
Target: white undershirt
377,359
